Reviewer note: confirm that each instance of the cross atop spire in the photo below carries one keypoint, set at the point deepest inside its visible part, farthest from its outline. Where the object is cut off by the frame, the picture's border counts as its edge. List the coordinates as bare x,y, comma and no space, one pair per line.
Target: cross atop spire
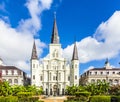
34,52
75,53
55,37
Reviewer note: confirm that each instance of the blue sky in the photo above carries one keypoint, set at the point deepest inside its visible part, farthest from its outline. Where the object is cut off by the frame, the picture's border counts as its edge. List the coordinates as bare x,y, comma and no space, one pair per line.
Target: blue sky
95,24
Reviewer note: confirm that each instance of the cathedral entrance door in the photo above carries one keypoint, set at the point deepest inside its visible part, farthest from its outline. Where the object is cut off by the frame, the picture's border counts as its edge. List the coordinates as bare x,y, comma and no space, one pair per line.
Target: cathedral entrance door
55,90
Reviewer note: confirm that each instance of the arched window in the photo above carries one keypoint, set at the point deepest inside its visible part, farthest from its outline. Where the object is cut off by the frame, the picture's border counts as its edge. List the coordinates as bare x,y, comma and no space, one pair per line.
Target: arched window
41,78
15,81
33,76
98,80
33,65
68,78
59,76
75,76
116,81
54,77
10,80
93,81
110,81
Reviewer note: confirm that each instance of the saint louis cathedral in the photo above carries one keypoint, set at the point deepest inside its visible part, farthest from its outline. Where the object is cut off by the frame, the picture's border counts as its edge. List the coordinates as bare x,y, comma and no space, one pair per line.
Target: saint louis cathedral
54,73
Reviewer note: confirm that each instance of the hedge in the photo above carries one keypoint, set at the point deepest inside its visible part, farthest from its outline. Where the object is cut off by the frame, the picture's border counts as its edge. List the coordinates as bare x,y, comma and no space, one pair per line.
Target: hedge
24,94
100,99
86,94
9,99
16,99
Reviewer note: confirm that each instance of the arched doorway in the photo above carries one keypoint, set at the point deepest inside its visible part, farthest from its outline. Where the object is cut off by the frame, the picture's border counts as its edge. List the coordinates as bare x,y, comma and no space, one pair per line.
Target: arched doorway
55,90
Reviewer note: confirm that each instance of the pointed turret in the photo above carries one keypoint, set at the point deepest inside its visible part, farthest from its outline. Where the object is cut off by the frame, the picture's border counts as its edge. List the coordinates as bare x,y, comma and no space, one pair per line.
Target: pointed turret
75,53
34,52
55,37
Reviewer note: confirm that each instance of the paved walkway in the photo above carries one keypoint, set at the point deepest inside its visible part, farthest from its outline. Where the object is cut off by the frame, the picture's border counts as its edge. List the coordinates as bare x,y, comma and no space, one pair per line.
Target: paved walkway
53,99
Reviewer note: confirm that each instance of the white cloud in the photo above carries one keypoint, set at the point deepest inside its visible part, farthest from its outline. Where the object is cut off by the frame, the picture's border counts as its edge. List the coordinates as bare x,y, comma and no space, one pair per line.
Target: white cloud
104,44
16,43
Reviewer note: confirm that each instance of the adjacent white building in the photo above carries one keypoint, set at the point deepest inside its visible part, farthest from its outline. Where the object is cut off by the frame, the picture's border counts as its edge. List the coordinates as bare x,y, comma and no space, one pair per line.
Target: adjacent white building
54,73
12,74
107,73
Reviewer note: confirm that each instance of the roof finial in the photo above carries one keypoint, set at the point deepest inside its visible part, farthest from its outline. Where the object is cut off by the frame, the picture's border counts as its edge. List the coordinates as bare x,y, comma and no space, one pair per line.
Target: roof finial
106,61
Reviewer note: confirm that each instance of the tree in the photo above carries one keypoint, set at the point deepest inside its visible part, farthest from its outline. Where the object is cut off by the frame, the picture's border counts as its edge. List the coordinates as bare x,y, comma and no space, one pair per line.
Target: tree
5,89
98,88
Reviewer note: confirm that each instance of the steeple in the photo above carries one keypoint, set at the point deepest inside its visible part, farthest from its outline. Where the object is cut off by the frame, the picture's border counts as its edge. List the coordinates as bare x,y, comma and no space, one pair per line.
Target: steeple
34,52
75,53
55,37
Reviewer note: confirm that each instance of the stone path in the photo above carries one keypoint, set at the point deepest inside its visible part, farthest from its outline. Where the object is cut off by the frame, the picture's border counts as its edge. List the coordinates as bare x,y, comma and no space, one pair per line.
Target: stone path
53,99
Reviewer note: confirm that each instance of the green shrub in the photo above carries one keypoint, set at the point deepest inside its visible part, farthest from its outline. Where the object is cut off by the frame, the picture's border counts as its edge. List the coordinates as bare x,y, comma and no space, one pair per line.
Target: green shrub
86,94
24,94
83,96
28,99
9,99
100,99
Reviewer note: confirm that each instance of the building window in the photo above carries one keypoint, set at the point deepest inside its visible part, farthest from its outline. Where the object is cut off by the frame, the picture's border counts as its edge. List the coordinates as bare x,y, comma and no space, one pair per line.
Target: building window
19,72
95,73
93,81
68,78
98,80
12,72
101,73
10,80
46,66
6,72
107,72
116,81
15,81
63,66
54,78
33,76
110,81
119,73
59,76
90,73
113,72
75,76
41,78
33,65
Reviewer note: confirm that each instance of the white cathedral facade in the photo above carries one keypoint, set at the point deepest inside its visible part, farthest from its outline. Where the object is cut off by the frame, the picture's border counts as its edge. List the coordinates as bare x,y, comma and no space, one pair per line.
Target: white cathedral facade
54,73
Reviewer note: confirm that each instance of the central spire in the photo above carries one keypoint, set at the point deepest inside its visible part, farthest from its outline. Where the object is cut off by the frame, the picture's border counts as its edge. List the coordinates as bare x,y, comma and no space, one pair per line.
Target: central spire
55,37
